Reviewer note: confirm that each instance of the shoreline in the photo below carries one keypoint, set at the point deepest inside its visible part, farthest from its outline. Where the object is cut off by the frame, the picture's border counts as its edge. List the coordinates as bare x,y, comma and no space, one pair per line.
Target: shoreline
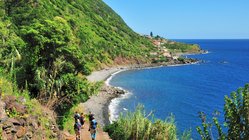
101,104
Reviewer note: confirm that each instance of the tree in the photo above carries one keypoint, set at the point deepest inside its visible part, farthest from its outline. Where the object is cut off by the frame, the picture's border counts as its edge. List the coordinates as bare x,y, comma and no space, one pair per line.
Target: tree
236,118
10,45
151,34
237,114
2,10
49,54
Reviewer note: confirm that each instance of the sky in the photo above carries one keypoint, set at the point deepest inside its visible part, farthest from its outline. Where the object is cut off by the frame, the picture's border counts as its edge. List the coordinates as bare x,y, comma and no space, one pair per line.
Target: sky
186,19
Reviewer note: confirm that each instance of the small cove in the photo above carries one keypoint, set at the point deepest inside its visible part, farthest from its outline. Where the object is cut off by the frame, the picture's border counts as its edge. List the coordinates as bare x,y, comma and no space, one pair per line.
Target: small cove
186,90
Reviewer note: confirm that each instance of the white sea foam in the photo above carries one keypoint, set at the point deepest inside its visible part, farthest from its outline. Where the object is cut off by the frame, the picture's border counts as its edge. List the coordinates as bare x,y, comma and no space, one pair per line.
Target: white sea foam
113,107
114,104
107,81
206,52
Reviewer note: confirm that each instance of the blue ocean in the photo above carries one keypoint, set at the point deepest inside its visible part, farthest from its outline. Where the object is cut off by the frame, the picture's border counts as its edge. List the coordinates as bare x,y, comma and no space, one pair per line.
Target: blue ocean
186,90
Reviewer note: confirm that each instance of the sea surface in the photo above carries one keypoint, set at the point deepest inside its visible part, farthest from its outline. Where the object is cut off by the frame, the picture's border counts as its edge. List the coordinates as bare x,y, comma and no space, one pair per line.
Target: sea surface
186,90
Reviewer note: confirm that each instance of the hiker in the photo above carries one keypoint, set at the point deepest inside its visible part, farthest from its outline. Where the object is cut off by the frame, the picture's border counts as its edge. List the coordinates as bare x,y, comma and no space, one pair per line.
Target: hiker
90,116
92,128
82,120
77,128
76,116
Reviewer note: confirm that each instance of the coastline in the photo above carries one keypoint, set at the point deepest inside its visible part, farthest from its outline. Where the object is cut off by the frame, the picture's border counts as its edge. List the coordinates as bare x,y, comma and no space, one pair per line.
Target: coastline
99,104
103,104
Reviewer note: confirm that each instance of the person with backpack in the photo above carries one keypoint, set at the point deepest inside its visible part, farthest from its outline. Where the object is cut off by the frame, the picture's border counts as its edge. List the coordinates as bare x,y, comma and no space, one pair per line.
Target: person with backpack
76,116
82,120
77,128
90,116
93,128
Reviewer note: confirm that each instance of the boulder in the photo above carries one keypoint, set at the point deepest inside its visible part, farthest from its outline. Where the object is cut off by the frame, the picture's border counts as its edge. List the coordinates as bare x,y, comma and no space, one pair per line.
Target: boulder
8,136
7,125
32,120
29,135
14,121
34,124
13,130
21,132
20,108
12,104
22,121
8,99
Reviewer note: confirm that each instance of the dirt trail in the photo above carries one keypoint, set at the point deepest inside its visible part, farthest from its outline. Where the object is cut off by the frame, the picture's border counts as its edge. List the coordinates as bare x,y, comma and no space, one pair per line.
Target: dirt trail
101,135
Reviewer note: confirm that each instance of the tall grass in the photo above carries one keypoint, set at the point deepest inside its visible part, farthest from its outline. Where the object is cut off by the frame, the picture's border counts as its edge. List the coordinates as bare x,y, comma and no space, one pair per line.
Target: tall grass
137,126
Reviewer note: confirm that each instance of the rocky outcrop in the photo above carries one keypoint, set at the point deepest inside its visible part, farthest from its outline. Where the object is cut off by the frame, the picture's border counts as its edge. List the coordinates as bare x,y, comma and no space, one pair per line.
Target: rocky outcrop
12,104
17,122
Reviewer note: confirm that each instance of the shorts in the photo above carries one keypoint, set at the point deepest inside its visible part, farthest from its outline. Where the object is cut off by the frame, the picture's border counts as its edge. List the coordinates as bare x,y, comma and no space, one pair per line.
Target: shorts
93,133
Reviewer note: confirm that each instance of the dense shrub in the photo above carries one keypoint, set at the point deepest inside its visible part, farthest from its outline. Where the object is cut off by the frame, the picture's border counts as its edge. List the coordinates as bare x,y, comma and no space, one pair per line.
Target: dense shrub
138,126
236,116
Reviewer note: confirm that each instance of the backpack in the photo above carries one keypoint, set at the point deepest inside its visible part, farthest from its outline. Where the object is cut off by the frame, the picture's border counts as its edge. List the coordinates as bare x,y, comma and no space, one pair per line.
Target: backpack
93,124
76,116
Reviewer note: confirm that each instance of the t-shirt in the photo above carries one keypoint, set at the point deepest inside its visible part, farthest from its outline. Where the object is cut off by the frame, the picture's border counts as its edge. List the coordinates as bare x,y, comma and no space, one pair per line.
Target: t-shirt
82,120
91,117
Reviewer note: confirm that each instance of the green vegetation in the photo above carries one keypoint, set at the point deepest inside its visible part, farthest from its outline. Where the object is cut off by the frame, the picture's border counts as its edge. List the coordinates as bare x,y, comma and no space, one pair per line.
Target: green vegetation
33,111
68,120
176,47
160,59
140,126
236,118
49,46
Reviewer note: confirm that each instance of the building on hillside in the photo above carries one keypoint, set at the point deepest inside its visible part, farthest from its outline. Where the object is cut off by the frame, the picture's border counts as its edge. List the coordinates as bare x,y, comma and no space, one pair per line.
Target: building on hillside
148,36
156,43
166,53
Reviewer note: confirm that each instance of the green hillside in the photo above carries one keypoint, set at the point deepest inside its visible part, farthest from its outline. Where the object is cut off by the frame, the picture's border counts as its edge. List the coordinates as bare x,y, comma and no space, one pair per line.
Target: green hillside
49,45
92,32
